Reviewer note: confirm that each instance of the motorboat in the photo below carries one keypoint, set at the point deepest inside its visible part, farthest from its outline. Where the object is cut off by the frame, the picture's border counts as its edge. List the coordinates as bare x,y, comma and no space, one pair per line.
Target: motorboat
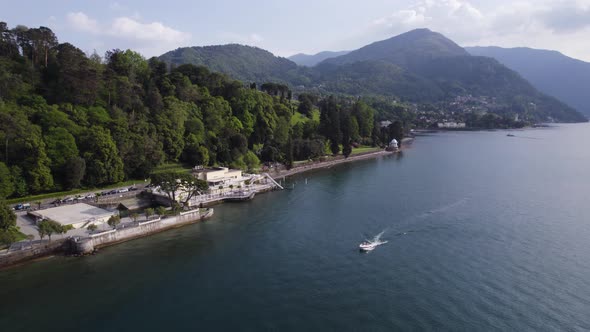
367,246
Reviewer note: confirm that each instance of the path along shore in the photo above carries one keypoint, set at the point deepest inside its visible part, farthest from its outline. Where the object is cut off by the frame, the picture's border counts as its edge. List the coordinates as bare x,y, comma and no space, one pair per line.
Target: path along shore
327,164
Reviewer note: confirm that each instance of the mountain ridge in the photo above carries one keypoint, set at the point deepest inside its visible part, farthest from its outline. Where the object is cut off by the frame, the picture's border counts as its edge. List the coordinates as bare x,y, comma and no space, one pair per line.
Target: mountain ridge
310,60
549,71
419,66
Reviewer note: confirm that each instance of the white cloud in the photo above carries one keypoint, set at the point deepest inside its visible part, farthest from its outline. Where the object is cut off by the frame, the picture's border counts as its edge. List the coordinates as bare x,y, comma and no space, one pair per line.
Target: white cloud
82,22
443,16
125,27
152,38
541,24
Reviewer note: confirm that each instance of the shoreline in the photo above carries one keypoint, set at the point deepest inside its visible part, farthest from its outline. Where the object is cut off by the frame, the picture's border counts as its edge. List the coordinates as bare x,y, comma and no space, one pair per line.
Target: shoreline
44,254
327,164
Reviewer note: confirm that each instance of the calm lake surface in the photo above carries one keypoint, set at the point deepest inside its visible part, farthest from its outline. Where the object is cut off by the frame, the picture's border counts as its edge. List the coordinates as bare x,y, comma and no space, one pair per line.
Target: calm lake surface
486,232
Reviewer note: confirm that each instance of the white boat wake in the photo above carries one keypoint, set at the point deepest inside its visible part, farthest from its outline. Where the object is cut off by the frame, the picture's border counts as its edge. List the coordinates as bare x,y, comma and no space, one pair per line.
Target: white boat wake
369,245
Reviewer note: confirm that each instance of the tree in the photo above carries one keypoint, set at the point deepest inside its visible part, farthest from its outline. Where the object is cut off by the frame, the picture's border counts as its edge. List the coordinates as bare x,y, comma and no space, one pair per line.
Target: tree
178,186
75,169
289,153
6,184
251,160
103,163
30,237
114,220
330,123
364,116
148,212
8,237
161,211
7,216
396,131
92,227
347,128
134,216
48,227
42,231
61,149
47,40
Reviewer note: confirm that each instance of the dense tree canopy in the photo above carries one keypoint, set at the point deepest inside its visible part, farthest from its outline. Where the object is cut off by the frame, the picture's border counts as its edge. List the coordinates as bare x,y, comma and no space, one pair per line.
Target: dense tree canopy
70,120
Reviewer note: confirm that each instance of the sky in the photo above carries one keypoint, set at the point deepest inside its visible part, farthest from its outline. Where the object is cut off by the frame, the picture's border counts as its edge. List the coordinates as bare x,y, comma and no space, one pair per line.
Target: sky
287,27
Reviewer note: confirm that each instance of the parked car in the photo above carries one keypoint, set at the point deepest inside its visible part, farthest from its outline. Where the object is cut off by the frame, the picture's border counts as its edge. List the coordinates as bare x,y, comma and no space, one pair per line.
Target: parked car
124,190
68,200
132,188
21,206
90,196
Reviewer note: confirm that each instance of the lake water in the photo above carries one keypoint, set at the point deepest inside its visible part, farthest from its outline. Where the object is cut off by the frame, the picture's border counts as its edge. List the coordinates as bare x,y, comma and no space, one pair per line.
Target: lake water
485,231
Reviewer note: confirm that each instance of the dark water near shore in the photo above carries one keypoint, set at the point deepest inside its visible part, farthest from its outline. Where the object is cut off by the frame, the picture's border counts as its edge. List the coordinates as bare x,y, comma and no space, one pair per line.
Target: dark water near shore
486,232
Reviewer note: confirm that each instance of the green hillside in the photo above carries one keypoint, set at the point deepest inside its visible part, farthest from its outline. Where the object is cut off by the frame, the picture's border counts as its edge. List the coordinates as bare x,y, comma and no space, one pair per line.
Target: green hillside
419,66
246,63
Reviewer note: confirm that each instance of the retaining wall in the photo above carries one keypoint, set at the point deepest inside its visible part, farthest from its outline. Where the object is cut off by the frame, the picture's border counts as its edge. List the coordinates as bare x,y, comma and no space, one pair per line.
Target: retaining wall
105,238
147,228
38,251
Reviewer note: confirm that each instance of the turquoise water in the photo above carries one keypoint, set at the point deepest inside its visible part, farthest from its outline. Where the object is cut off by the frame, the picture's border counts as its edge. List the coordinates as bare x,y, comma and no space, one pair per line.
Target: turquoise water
485,231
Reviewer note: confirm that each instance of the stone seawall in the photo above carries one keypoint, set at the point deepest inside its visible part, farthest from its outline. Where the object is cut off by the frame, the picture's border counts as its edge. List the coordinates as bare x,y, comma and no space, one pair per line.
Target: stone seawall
37,251
103,239
147,228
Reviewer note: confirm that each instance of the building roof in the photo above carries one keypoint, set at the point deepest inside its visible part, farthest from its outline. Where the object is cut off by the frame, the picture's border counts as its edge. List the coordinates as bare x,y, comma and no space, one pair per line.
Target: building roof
73,214
134,203
209,170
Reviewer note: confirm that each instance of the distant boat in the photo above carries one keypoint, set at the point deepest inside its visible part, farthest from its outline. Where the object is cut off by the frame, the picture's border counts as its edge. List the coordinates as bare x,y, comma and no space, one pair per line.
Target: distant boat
510,135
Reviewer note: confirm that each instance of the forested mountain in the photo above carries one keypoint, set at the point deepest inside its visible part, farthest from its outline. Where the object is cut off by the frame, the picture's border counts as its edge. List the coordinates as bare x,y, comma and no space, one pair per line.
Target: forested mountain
240,62
407,50
419,66
312,60
551,72
68,120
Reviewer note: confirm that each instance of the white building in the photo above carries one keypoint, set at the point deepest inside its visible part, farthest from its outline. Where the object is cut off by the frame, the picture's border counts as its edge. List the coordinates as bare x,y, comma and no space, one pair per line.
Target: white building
77,215
451,125
393,144
217,176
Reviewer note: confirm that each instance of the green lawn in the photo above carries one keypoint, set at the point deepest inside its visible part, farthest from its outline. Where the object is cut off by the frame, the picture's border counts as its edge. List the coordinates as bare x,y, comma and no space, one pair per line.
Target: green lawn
298,117
172,167
12,232
364,149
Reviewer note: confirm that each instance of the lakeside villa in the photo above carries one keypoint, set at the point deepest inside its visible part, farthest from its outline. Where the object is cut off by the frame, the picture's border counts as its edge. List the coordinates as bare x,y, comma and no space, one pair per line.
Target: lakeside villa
224,184
217,176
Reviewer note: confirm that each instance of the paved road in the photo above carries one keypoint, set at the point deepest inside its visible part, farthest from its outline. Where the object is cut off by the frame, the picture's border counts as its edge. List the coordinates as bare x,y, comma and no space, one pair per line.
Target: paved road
47,203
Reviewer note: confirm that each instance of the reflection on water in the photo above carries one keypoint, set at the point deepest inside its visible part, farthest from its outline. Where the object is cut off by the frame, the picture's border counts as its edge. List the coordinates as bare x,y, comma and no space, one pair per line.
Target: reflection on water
484,231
